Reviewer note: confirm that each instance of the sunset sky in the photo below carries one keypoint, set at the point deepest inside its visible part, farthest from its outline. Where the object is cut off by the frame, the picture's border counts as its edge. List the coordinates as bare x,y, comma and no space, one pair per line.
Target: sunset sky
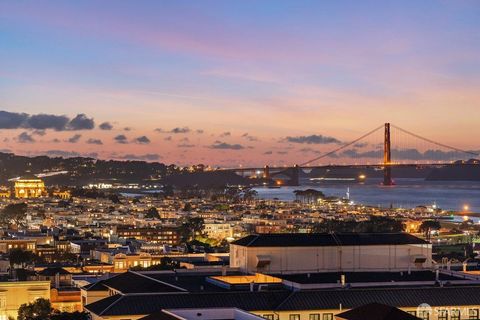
234,82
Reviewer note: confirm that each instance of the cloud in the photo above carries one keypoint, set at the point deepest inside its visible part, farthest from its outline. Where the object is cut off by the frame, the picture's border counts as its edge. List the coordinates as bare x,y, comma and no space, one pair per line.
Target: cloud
143,157
282,152
180,130
94,141
199,131
312,139
106,126
226,146
176,130
14,120
306,150
360,144
47,121
249,137
169,138
268,152
62,153
24,137
186,145
142,140
6,150
121,138
225,134
39,132
75,138
127,129
81,122
405,154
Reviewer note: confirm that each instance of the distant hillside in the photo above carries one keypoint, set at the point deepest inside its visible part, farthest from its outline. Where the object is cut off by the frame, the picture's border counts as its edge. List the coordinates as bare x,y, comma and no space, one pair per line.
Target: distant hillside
470,172
81,170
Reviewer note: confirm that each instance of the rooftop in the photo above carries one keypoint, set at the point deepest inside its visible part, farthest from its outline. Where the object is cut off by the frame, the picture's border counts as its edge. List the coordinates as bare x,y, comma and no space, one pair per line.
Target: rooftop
327,239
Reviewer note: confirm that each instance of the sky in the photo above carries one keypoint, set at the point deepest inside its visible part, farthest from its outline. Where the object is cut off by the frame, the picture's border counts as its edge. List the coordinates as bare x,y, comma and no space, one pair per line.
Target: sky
230,83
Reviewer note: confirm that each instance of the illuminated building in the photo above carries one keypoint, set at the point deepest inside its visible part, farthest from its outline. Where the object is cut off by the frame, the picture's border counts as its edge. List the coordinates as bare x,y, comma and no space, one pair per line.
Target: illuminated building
4,192
15,293
29,188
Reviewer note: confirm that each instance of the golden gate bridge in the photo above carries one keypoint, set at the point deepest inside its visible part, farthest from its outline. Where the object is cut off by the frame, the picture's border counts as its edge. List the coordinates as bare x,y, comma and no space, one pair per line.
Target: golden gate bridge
444,155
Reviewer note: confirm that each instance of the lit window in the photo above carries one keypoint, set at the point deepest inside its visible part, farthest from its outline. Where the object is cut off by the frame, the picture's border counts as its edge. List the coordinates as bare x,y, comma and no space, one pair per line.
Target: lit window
294,317
327,316
314,316
424,315
473,314
455,314
442,314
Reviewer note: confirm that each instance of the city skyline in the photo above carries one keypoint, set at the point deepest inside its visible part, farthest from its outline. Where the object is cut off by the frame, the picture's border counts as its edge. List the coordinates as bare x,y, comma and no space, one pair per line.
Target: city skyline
233,83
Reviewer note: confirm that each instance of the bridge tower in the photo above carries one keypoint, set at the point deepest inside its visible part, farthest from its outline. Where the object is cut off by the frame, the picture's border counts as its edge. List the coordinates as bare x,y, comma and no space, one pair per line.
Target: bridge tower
266,173
387,157
295,177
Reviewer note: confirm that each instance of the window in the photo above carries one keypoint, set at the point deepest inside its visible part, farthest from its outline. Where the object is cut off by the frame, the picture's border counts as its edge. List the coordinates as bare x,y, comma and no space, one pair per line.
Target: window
269,316
327,316
442,314
314,316
473,314
294,317
3,301
424,315
455,314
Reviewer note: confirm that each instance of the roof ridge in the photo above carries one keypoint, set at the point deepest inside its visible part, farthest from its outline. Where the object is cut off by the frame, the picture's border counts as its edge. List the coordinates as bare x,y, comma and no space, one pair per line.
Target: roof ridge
256,236
159,281
285,300
120,297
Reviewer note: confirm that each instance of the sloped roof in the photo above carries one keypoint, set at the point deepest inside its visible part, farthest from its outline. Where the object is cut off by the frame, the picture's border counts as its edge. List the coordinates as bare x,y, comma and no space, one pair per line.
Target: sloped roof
327,239
376,311
145,304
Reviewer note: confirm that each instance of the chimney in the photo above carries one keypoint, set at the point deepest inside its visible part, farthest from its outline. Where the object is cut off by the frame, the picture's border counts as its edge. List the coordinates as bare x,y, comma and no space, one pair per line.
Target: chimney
251,286
437,275
342,280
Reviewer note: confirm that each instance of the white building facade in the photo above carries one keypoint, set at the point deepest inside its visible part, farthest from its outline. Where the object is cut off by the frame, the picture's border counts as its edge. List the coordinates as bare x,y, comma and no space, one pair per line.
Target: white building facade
301,253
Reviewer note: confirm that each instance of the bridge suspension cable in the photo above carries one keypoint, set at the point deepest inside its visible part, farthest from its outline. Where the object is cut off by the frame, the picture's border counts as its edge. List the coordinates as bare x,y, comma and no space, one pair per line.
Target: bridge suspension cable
434,142
342,147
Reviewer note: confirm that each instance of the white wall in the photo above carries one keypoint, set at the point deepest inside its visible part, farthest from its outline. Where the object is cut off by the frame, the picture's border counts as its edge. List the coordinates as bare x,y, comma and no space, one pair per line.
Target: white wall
335,258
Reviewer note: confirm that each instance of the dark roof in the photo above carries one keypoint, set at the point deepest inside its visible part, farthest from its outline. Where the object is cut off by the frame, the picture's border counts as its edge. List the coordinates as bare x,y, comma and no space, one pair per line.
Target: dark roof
398,297
140,304
96,286
132,282
144,304
376,311
355,277
327,239
159,316
53,271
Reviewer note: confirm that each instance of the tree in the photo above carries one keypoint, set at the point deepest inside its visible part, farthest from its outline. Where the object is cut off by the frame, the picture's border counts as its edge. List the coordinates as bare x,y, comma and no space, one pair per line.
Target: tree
41,309
38,310
14,213
22,258
191,227
249,194
152,213
187,207
428,225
